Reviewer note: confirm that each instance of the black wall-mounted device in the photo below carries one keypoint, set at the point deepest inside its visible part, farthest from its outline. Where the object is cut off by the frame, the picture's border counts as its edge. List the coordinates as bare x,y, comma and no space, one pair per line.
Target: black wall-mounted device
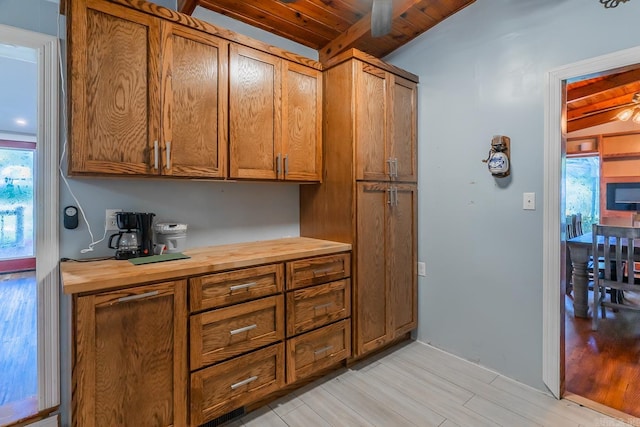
70,217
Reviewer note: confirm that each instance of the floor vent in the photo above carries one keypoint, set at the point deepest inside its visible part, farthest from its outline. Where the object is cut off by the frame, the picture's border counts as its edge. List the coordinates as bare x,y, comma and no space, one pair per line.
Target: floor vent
222,419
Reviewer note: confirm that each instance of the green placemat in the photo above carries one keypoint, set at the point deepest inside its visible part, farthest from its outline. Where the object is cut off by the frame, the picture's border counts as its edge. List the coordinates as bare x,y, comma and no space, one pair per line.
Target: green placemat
157,258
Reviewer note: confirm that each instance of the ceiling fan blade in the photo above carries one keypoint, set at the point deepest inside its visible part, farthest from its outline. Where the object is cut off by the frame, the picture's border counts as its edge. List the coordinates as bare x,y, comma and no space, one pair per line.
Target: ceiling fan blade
381,12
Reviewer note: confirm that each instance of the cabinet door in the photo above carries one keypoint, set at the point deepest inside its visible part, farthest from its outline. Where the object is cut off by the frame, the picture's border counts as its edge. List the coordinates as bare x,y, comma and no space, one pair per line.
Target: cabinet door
302,123
130,364
401,260
255,116
402,139
194,129
114,92
371,295
372,162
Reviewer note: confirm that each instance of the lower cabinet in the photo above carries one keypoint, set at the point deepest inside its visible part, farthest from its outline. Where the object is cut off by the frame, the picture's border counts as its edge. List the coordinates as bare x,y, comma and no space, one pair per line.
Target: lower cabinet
130,358
187,352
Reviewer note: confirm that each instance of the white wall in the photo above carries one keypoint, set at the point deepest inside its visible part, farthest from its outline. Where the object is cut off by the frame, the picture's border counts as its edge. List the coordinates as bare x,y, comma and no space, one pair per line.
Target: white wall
482,73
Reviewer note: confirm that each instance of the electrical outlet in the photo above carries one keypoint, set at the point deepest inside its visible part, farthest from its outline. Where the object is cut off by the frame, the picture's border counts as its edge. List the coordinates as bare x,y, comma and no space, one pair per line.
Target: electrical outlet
422,269
110,219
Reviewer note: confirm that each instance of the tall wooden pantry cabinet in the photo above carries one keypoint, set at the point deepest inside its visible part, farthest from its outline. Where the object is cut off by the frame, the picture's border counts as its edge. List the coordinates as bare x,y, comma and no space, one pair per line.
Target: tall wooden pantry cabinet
369,194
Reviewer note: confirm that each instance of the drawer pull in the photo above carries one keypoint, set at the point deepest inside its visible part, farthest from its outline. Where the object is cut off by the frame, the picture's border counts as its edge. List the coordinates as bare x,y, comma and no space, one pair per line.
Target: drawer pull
139,296
243,286
243,382
321,306
322,350
244,329
322,271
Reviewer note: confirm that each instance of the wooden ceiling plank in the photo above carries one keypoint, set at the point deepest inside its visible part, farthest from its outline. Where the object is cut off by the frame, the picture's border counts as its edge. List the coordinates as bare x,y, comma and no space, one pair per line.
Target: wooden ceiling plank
323,14
350,37
244,12
442,9
603,85
344,9
593,120
620,101
419,19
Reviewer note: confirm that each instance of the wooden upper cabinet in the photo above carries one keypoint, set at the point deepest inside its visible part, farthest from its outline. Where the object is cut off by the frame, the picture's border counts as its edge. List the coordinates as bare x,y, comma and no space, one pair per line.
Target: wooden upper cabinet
255,109
275,118
194,127
302,123
114,92
155,108
385,125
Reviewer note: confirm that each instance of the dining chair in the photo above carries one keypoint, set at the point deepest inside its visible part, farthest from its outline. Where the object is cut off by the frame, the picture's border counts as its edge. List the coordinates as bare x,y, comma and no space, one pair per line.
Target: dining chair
619,248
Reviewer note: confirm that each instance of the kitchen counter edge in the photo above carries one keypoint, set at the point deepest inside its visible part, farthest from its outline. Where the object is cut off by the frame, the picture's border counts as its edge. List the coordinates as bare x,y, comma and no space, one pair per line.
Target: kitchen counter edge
98,276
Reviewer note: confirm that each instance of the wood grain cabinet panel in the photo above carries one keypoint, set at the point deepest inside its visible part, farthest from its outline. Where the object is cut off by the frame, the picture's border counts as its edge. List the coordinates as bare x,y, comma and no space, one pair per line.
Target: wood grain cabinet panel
316,306
302,123
275,118
229,385
387,291
194,118
312,271
114,95
220,334
314,351
386,130
157,107
221,289
368,194
130,356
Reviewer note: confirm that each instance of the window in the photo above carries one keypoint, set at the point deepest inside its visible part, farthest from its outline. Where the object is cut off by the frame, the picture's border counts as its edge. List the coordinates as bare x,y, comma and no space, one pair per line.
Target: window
583,189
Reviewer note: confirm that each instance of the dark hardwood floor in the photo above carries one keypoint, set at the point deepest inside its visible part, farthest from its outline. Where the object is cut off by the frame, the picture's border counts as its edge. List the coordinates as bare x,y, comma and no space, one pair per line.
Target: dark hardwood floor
18,337
604,365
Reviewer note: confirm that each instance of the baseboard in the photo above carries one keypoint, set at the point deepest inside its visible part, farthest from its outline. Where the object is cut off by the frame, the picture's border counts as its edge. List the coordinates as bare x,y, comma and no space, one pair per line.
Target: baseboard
603,409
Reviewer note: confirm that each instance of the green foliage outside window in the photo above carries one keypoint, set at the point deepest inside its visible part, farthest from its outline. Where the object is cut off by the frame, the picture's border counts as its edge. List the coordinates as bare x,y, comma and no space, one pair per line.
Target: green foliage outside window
583,189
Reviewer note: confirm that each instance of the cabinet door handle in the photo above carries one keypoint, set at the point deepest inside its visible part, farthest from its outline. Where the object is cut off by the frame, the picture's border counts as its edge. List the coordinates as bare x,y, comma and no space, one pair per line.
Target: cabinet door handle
395,195
155,154
322,271
243,286
390,163
244,382
278,161
322,350
390,198
321,306
286,164
168,144
243,329
395,167
137,297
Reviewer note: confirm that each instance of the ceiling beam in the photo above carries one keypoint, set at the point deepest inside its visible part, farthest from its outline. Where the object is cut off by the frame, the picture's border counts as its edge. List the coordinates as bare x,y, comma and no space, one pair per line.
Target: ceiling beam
359,30
187,6
593,120
603,85
620,101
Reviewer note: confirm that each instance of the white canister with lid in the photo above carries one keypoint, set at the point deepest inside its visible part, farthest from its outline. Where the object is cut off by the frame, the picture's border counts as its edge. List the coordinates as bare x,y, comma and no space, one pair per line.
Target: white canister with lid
172,235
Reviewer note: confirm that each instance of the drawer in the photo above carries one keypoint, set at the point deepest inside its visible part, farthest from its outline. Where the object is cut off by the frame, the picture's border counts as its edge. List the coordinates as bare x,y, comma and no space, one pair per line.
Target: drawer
221,289
316,306
237,382
314,351
313,271
226,332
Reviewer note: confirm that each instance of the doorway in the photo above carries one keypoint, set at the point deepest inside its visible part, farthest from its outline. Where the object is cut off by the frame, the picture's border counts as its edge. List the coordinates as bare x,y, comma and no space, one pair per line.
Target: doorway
29,197
554,236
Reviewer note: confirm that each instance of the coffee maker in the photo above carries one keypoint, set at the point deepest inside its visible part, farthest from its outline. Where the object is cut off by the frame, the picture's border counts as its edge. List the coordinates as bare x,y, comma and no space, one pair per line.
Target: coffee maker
136,237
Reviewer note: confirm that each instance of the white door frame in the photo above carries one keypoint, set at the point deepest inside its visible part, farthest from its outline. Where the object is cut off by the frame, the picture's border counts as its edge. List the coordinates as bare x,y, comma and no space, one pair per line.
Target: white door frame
554,239
46,195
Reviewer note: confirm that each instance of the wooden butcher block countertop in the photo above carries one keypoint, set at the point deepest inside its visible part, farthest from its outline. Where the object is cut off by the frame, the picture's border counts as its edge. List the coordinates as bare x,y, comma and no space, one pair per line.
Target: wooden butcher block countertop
96,276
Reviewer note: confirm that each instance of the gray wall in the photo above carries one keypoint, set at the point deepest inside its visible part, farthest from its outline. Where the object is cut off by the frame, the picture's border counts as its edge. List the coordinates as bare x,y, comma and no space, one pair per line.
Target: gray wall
482,73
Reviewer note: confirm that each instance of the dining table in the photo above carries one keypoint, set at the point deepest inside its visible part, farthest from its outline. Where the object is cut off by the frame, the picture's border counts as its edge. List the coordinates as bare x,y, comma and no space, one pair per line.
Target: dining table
580,248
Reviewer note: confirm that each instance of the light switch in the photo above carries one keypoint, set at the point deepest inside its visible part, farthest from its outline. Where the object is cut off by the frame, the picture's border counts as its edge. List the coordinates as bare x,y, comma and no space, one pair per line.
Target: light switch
529,201
422,269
